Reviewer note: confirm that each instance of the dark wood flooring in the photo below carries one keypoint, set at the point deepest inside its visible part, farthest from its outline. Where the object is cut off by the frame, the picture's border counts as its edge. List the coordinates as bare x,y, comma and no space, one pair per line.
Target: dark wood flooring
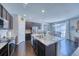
65,48
24,49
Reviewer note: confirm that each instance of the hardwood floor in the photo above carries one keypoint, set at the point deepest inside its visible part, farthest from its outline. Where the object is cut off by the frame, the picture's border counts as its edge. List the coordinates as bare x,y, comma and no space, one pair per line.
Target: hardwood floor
24,49
64,48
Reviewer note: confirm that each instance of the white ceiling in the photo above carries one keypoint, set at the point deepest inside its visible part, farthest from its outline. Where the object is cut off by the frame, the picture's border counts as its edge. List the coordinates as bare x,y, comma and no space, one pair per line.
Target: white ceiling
53,11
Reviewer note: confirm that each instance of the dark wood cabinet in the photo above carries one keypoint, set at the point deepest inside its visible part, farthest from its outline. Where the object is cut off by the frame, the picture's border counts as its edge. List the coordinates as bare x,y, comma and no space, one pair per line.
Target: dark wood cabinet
28,37
4,13
43,50
35,46
8,49
1,23
4,51
7,16
1,8
76,41
11,47
39,48
10,20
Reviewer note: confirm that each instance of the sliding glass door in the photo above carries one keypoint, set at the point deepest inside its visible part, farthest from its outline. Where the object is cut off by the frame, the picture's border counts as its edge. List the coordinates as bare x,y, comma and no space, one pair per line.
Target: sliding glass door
60,29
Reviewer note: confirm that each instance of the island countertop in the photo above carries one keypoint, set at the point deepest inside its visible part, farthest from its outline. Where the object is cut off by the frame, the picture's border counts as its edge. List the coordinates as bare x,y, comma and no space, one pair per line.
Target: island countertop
46,40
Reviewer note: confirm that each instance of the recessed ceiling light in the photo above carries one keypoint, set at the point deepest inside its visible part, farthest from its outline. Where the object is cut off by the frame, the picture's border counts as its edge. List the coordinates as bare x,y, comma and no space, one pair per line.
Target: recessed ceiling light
25,4
24,14
43,11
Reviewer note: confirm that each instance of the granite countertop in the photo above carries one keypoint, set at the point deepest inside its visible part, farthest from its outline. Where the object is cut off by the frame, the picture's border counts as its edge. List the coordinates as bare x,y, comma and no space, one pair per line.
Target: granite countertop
76,53
3,44
46,40
28,31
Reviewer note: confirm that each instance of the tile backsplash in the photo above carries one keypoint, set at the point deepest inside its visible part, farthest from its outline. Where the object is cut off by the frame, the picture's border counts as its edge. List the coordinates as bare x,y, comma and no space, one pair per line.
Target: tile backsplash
3,33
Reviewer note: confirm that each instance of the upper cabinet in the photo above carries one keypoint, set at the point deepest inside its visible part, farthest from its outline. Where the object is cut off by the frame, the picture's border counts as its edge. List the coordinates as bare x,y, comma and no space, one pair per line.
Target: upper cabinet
4,13
10,22
7,16
0,10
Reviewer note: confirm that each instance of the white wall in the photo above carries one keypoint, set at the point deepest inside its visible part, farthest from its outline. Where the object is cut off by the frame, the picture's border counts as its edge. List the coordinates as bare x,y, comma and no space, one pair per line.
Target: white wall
19,28
15,25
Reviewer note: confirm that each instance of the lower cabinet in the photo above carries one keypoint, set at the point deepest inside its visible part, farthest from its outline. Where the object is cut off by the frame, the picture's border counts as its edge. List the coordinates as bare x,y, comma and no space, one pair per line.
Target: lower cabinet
43,50
4,51
35,46
8,49
11,47
28,37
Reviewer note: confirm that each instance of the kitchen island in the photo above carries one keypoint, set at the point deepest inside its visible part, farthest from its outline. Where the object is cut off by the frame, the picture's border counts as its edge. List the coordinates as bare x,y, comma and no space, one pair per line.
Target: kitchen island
44,46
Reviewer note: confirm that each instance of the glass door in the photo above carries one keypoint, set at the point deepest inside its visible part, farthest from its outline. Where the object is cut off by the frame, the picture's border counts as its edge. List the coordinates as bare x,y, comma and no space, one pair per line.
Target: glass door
60,29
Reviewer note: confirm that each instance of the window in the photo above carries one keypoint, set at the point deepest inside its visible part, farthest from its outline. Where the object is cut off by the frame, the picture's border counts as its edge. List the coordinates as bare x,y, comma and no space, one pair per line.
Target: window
60,29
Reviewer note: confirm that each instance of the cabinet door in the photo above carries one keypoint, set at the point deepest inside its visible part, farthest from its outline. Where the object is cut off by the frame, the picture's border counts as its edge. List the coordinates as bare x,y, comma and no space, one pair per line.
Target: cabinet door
10,22
4,51
11,47
1,23
41,49
7,16
0,10
35,45
28,37
4,13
